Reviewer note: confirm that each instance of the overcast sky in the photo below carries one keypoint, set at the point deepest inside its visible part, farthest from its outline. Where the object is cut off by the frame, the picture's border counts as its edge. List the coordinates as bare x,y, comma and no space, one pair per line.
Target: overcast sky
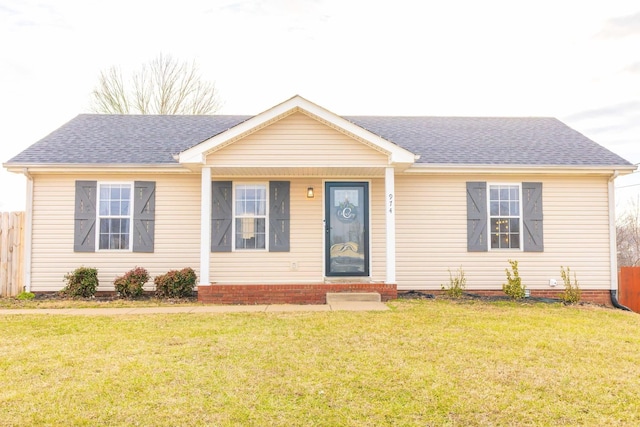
575,60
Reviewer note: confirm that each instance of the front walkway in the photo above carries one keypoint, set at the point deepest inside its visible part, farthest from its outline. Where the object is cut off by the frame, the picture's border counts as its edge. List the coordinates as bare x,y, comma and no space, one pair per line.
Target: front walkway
272,308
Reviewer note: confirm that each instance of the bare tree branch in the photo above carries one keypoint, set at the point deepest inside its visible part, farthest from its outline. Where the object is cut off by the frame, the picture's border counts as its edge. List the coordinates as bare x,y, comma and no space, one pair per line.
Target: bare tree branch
628,236
163,86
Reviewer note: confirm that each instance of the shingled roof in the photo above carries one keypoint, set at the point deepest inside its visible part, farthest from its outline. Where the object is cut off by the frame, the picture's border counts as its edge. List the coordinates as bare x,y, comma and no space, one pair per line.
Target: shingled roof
154,140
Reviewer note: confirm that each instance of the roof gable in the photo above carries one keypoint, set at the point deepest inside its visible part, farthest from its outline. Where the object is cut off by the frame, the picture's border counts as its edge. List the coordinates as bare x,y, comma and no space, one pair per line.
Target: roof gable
297,104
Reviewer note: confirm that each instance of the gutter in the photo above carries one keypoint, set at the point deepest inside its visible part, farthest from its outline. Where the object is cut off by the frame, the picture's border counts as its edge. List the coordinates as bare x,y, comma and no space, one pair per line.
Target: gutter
614,245
28,227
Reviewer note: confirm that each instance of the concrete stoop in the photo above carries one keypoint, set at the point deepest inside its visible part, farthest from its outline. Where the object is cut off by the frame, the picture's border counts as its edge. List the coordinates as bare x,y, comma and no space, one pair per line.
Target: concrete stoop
339,297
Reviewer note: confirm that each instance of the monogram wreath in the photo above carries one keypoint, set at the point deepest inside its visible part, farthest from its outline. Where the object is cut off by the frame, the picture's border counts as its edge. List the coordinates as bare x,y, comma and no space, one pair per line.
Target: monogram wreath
346,212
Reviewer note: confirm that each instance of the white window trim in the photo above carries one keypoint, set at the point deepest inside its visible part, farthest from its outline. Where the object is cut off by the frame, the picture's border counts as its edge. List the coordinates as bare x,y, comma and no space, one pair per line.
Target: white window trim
489,216
266,216
131,185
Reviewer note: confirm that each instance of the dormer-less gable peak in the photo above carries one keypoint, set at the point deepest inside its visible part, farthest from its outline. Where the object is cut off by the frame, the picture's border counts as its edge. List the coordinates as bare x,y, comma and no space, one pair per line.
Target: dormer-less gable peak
293,105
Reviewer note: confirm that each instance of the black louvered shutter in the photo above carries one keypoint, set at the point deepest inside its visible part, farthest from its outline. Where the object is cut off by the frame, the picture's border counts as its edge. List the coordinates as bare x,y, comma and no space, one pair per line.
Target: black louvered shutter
279,216
84,234
532,216
221,216
477,217
144,205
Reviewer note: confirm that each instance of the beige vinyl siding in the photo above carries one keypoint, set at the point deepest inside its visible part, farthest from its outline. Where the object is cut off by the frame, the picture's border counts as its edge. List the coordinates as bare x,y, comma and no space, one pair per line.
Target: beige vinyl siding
177,230
304,263
297,141
432,232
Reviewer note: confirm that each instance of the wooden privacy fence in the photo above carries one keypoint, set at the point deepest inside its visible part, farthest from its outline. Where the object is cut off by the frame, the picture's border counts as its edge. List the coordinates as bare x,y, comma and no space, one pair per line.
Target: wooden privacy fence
629,287
11,253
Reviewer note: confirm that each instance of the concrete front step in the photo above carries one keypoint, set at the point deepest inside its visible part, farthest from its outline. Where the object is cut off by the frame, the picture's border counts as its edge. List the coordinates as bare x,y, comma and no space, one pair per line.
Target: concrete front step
337,297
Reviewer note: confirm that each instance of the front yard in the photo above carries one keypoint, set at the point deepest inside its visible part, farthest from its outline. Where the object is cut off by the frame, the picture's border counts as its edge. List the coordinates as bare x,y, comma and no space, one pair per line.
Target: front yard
426,362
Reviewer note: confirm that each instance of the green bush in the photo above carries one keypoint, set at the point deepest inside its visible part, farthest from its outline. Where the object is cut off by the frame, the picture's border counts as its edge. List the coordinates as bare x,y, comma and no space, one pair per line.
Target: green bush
130,285
513,288
176,284
456,285
81,283
572,292
25,295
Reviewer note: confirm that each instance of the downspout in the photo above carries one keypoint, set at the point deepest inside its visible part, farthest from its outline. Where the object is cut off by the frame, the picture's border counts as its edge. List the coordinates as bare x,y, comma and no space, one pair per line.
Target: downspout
28,226
614,246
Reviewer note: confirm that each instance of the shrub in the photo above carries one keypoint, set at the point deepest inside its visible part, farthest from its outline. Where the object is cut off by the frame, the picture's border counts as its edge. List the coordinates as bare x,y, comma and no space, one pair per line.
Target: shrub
572,292
130,285
25,295
81,283
176,284
456,285
513,288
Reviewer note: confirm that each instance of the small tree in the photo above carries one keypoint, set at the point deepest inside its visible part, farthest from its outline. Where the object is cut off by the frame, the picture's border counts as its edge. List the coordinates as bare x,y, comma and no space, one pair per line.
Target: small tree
572,292
456,285
163,86
513,287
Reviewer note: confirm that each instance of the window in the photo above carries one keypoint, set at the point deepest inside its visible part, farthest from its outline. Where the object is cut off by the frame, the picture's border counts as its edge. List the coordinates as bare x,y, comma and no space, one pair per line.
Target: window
114,216
121,216
504,214
239,215
250,216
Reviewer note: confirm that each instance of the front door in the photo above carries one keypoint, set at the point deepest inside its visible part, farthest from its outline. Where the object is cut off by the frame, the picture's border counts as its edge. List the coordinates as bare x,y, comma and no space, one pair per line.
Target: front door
346,228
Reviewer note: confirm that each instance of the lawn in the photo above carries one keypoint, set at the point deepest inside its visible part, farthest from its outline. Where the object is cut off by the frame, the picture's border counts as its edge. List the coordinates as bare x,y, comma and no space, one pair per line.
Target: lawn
424,363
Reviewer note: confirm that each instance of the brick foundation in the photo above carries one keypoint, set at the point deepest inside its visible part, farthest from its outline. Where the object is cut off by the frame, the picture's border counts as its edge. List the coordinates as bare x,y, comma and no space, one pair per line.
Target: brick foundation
602,297
287,294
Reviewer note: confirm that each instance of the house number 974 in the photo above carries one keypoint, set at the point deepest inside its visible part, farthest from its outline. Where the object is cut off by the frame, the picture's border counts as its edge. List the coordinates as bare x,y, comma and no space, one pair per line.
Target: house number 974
390,203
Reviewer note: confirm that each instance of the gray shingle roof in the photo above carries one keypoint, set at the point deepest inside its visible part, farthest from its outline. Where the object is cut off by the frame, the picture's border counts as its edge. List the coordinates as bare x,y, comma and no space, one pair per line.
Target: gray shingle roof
136,139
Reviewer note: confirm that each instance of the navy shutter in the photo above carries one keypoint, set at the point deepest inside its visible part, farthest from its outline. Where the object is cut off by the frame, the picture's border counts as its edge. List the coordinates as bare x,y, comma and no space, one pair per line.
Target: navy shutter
144,212
84,233
477,217
279,216
532,216
221,199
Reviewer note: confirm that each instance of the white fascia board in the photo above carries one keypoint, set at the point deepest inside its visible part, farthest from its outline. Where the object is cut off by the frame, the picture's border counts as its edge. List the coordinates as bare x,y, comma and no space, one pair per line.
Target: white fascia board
518,169
198,153
95,168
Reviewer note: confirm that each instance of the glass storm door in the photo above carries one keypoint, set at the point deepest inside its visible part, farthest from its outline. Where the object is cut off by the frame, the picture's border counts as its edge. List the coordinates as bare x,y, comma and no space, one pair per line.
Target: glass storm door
346,228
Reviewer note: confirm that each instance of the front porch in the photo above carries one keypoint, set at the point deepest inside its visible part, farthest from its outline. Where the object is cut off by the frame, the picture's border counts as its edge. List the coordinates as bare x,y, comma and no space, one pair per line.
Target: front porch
287,293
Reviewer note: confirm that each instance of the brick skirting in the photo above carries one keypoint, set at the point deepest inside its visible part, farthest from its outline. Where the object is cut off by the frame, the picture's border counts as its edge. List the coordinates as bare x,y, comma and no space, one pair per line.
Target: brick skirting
287,294
602,297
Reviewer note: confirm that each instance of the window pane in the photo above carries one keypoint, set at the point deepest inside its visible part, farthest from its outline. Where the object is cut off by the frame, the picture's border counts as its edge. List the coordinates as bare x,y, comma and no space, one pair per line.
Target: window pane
104,207
124,207
493,193
504,208
114,207
504,193
515,241
513,193
494,206
115,192
495,242
514,225
514,207
125,193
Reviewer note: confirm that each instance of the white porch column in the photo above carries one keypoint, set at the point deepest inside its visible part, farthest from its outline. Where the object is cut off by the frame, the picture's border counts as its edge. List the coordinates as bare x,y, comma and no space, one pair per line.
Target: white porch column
205,226
389,185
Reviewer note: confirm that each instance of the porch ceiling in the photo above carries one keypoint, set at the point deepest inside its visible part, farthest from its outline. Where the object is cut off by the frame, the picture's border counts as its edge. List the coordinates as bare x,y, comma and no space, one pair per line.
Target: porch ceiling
301,171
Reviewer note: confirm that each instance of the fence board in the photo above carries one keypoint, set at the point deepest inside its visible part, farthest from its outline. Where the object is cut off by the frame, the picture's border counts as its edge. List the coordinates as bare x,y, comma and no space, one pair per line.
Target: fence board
629,288
11,253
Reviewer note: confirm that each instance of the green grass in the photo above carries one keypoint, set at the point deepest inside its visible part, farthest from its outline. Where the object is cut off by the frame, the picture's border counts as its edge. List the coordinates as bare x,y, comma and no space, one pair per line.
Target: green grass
425,363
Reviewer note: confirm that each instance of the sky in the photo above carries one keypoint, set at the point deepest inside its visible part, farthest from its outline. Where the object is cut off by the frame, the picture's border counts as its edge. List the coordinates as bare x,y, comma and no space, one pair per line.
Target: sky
575,60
